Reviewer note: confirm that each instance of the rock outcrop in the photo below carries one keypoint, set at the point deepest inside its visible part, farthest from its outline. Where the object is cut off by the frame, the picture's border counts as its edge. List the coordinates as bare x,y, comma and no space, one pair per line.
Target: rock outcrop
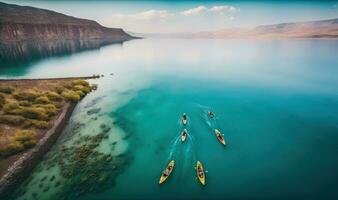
24,23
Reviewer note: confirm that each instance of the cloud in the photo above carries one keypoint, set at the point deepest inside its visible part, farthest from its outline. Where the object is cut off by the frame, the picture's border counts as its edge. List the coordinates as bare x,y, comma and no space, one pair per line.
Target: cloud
144,16
224,9
194,11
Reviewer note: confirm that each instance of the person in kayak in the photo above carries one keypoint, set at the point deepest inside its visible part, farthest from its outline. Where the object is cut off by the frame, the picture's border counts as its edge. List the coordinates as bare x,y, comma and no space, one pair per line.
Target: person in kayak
219,136
211,114
184,116
184,132
167,171
200,172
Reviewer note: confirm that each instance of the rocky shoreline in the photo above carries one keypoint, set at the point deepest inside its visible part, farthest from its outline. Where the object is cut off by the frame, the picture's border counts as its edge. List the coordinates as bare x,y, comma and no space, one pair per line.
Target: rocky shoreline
26,163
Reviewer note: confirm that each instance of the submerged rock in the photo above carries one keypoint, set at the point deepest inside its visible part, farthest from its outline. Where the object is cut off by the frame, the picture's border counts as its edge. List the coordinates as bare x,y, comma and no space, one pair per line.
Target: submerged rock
46,189
93,111
52,178
44,178
57,183
84,167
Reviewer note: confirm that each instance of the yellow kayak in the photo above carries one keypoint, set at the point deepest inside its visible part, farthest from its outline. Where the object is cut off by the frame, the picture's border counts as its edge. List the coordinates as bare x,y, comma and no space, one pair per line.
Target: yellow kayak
166,173
184,135
200,172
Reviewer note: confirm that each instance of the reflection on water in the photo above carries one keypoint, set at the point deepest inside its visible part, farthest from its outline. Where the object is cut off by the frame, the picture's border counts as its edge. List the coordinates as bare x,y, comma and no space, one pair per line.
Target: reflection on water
16,57
30,50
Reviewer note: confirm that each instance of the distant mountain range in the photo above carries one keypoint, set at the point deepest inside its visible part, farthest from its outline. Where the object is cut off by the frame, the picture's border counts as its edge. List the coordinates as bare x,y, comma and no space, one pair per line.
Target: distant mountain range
311,29
24,23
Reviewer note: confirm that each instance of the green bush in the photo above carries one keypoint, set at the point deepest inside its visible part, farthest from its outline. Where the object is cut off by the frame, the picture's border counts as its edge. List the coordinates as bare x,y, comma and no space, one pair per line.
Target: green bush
25,103
70,95
6,89
80,82
12,119
42,100
34,113
53,96
26,95
11,148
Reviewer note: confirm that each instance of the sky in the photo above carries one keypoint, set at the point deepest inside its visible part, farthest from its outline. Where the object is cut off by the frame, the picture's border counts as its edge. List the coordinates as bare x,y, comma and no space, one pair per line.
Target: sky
188,16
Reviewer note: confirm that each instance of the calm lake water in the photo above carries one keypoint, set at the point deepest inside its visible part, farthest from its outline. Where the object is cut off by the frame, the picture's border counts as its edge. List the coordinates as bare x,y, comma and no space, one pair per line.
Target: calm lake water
276,102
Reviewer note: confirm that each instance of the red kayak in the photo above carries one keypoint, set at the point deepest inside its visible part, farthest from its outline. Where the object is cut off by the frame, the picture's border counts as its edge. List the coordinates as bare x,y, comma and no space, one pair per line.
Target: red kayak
220,137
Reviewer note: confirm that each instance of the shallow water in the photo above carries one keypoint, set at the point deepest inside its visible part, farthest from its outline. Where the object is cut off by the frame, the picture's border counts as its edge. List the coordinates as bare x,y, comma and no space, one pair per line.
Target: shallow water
276,102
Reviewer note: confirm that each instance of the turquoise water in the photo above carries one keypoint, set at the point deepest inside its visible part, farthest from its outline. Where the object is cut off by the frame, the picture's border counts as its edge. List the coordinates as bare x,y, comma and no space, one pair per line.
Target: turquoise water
275,101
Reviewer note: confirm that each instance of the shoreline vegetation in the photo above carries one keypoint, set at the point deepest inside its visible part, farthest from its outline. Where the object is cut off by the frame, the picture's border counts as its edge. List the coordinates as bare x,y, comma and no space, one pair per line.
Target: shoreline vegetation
33,113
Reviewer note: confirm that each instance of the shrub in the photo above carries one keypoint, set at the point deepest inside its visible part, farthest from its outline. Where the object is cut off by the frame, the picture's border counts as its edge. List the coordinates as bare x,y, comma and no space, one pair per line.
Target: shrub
26,95
42,100
10,107
50,109
26,138
22,140
24,135
12,119
11,148
34,113
58,104
59,89
84,89
6,89
2,100
68,85
53,96
80,82
79,92
40,124
25,103
29,143
70,95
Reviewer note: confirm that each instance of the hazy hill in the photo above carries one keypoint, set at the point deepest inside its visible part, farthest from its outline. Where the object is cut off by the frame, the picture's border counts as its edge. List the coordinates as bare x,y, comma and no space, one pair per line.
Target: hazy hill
322,28
311,29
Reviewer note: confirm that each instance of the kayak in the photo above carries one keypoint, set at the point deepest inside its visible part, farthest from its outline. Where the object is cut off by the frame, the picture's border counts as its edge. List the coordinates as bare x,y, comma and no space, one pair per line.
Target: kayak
184,135
166,173
220,137
184,120
211,114
200,172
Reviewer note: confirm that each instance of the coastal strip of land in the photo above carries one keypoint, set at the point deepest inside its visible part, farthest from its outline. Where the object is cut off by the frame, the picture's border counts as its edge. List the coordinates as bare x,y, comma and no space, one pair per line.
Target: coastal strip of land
33,113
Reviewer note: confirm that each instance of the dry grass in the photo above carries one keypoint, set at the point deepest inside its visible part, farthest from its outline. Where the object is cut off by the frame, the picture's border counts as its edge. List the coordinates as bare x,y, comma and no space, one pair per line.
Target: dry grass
28,108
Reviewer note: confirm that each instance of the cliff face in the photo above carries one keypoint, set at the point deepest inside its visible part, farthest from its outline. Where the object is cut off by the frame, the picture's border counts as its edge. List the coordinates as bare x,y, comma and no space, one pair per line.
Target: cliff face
22,23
